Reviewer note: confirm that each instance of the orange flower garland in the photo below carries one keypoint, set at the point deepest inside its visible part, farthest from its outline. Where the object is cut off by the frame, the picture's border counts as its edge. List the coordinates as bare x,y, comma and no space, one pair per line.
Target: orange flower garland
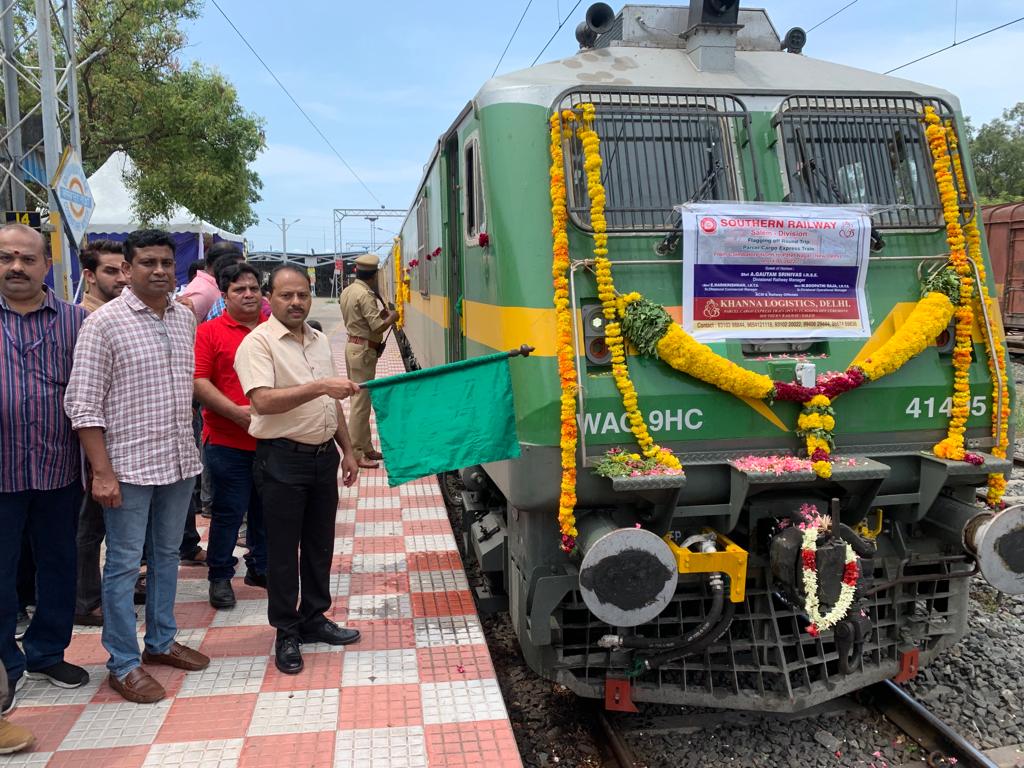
564,339
952,446
996,355
606,292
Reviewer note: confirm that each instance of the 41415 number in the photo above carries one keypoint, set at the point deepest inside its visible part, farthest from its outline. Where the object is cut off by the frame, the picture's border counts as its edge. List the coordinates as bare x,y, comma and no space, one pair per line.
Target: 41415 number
919,407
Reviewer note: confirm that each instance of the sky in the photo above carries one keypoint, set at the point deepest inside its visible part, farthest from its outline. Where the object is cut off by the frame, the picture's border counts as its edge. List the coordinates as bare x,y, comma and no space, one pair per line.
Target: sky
382,80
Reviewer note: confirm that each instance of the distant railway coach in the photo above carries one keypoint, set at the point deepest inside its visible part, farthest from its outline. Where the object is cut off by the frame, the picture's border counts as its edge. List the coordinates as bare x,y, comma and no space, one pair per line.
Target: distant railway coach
767,384
1004,233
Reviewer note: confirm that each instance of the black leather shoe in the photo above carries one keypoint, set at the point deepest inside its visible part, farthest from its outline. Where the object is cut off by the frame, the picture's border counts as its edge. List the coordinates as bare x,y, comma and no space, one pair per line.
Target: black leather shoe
288,656
221,594
330,633
254,579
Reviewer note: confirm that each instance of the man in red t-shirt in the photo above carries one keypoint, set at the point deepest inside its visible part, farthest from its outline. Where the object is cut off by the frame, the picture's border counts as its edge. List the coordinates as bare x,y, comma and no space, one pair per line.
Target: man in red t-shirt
228,447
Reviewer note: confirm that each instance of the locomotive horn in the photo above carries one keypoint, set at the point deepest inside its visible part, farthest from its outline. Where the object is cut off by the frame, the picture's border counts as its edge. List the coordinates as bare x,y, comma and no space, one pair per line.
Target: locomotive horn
598,20
628,575
995,540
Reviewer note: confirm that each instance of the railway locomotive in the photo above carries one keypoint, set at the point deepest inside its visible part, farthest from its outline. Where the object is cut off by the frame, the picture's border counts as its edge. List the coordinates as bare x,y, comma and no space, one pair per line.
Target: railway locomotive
708,586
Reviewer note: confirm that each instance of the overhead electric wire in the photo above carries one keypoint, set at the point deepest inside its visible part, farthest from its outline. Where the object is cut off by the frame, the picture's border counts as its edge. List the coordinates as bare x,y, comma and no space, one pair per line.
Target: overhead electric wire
954,45
514,31
832,16
296,103
557,30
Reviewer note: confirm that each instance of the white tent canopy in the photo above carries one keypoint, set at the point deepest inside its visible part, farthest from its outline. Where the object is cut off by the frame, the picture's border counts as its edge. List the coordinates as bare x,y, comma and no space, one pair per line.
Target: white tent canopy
114,202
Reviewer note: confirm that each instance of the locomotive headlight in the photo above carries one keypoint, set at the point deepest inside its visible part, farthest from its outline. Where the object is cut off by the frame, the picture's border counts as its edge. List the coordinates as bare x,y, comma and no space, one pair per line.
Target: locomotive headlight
594,342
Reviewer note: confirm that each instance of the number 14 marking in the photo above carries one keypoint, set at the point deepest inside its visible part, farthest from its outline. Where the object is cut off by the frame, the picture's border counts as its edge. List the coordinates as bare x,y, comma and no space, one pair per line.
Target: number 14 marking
919,407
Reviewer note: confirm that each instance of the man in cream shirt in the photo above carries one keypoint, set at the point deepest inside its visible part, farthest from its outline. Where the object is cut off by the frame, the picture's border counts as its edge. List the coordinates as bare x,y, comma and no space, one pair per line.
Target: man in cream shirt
286,371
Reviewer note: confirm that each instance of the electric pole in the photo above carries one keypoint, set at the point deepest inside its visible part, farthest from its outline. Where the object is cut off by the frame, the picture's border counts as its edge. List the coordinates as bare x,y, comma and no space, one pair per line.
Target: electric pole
284,226
57,86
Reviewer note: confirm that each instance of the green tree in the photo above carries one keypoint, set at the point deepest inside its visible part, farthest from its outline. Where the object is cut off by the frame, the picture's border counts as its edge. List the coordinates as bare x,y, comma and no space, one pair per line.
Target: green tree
192,141
997,150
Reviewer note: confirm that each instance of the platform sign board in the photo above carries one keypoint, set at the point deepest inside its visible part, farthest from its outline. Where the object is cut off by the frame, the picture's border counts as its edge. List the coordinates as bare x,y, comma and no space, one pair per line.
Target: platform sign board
763,271
28,218
71,188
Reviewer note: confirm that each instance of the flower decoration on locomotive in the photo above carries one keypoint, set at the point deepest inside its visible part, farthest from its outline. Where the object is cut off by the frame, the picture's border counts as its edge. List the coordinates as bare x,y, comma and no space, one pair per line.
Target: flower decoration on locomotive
653,332
814,527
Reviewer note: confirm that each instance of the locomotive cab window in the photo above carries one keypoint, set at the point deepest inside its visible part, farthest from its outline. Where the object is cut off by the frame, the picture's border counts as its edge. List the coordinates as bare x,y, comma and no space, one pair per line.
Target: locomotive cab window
472,190
423,245
861,150
658,151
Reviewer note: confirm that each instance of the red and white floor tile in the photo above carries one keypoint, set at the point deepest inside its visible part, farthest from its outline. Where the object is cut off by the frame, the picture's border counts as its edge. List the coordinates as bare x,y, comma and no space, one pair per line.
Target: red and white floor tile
418,689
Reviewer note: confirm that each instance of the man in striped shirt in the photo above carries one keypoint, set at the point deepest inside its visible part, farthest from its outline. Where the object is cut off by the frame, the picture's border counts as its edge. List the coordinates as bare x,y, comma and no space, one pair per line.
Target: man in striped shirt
40,479
130,398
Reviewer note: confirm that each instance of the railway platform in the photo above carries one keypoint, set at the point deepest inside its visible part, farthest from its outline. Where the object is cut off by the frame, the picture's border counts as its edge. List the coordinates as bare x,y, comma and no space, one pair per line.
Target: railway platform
418,689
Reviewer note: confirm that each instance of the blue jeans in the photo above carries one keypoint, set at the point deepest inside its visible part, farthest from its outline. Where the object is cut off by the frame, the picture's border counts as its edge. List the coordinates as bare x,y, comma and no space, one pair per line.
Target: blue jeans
50,521
150,519
233,496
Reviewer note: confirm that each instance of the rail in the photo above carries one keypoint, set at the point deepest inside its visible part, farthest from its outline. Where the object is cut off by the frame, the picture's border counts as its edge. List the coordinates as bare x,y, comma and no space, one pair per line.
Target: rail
943,745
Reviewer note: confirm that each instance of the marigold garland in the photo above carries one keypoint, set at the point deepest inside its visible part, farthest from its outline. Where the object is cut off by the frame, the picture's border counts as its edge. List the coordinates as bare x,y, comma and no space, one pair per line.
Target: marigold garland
401,283
564,336
815,424
964,239
952,446
995,353
606,293
654,333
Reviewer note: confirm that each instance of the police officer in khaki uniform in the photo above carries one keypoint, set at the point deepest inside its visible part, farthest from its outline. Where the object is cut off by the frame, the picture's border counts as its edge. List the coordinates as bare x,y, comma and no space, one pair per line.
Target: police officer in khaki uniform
366,320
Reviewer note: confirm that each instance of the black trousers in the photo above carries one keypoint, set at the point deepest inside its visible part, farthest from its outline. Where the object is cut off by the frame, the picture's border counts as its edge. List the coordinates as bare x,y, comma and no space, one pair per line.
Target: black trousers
300,503
91,531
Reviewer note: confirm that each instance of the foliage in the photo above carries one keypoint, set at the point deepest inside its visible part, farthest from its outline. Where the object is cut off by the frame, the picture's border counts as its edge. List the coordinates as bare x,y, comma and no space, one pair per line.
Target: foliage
945,281
190,138
997,149
644,323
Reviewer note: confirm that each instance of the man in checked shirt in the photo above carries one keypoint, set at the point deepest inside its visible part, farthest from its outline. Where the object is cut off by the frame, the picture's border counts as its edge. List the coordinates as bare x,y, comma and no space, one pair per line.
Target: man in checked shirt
130,399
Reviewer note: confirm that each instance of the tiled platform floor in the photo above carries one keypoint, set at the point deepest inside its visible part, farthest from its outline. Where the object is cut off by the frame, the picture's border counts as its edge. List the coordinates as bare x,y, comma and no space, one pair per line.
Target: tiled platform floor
417,690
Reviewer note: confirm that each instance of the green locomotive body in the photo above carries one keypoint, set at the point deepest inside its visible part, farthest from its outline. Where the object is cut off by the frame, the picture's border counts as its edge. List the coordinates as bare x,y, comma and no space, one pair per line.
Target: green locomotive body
728,116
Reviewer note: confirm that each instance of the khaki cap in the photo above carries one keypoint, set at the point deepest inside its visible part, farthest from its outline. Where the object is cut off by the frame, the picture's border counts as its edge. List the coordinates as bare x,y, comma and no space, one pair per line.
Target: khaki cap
368,261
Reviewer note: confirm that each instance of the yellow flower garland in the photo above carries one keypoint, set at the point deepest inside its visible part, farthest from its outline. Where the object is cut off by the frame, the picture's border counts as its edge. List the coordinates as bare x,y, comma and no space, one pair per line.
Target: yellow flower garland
952,446
1000,419
606,292
401,283
927,320
680,350
965,247
564,338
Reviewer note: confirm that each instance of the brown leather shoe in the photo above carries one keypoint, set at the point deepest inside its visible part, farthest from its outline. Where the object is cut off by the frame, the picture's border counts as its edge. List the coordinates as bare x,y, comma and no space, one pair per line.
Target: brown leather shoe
138,687
178,656
374,455
14,738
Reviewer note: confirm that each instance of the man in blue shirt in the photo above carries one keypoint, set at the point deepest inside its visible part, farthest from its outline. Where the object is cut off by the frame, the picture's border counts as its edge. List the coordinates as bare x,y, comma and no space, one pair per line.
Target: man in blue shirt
40,476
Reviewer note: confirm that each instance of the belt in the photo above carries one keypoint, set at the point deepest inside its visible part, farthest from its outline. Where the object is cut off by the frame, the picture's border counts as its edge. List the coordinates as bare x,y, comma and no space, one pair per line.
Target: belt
291,445
376,346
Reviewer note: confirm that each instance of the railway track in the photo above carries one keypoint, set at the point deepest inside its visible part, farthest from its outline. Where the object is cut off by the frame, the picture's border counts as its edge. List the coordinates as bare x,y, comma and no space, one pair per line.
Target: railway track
941,746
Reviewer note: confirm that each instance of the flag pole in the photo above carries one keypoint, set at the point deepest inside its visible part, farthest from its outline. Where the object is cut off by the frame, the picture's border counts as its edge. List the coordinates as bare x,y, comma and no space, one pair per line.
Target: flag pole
523,350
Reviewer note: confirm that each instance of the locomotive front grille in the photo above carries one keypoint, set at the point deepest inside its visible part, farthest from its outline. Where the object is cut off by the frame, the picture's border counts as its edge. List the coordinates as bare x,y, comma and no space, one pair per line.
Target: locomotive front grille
766,660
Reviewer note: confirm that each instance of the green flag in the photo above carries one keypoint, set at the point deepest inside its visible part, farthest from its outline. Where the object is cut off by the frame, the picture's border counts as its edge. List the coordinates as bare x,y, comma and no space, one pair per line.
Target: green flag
444,418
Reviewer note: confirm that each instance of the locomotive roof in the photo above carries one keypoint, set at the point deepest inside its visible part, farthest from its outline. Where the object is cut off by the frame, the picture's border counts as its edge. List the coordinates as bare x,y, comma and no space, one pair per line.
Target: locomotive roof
756,72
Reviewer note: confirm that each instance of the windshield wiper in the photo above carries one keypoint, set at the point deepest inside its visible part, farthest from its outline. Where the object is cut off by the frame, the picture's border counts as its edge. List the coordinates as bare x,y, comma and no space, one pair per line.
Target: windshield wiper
808,168
668,244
